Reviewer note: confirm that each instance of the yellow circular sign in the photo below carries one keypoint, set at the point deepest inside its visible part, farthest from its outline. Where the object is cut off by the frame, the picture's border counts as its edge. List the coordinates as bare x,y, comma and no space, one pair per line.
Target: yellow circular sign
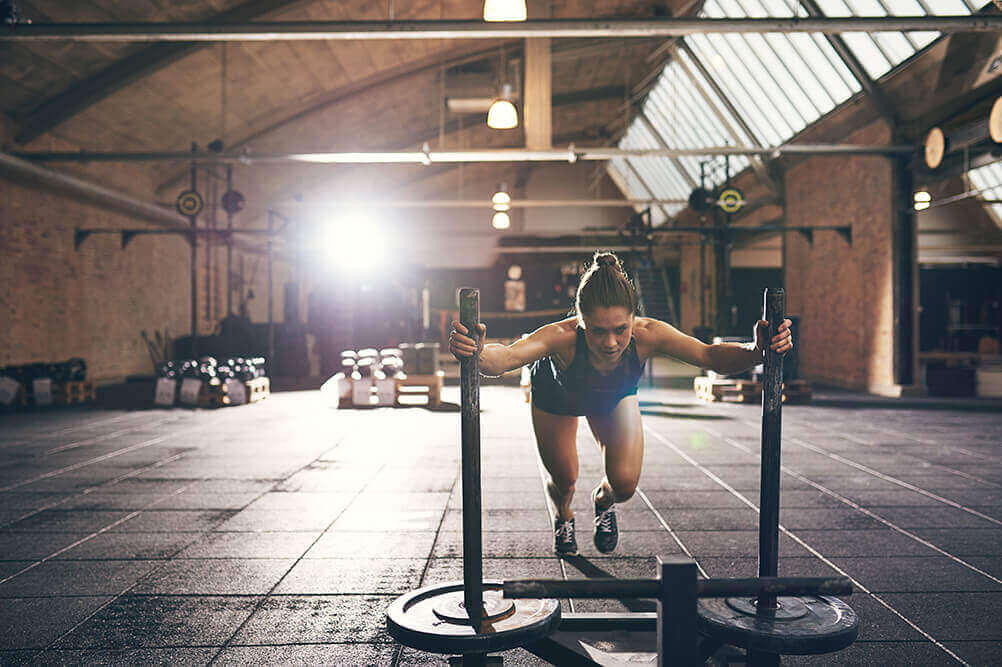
189,203
731,200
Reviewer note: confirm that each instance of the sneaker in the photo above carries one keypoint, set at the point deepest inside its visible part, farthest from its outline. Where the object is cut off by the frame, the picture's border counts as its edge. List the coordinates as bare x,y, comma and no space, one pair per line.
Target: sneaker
606,530
564,543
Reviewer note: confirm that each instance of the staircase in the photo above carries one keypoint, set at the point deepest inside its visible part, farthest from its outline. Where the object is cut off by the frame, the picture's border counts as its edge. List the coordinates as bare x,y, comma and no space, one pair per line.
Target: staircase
652,286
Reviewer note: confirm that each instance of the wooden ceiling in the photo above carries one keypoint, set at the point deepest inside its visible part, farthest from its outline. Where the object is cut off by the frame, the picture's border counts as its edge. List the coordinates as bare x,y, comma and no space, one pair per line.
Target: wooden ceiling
305,96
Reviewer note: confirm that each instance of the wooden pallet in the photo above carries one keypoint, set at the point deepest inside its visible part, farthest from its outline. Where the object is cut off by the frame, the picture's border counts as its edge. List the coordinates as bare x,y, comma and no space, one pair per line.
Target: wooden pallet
411,387
213,394
69,393
748,391
258,389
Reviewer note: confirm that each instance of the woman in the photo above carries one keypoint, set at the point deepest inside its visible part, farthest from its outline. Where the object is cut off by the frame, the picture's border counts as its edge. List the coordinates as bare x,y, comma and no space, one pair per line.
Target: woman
589,365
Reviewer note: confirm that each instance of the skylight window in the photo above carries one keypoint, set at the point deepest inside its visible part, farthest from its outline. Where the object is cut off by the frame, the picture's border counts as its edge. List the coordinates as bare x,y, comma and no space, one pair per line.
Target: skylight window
988,180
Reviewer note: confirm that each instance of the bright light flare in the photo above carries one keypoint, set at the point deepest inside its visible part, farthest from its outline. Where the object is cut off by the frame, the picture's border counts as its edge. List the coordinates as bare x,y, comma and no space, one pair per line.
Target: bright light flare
501,220
501,201
355,243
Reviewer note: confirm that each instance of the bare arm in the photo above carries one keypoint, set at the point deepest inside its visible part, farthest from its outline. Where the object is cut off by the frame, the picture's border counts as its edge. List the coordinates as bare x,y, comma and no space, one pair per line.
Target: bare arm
496,359
724,358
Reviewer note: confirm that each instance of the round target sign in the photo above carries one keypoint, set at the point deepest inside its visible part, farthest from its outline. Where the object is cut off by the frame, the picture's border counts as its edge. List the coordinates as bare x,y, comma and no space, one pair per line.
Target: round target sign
189,203
731,200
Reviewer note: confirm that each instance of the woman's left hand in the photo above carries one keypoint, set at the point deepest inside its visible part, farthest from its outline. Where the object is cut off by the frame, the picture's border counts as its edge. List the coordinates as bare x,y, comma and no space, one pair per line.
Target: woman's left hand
781,343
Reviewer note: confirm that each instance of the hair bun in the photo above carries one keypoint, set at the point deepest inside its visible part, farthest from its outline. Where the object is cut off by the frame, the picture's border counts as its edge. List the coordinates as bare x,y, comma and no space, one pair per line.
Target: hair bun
606,259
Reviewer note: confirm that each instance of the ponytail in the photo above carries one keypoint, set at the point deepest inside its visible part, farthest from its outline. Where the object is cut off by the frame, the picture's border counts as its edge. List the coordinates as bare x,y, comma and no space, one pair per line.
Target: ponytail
604,284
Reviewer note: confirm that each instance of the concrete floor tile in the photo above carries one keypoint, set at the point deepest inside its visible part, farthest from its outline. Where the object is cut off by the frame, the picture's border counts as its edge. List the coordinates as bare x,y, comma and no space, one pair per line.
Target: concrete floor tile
338,576
739,518
876,654
142,546
137,656
317,619
250,545
933,573
451,569
69,521
349,544
136,621
252,520
975,652
193,521
498,544
952,616
499,520
34,546
83,577
839,518
301,502
389,521
361,655
748,567
37,622
516,657
934,517
877,542
215,576
959,542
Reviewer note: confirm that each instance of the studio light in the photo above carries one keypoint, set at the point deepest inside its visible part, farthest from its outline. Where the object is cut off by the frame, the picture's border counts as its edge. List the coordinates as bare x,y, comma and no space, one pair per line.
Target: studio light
501,199
504,10
501,220
502,114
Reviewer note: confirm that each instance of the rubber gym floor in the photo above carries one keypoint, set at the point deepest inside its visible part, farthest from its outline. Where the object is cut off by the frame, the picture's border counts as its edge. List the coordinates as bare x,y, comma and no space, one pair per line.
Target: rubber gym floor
279,532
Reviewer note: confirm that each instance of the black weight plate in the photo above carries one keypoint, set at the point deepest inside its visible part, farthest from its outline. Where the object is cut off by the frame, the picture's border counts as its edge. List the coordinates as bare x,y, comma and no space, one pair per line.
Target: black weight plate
829,625
412,621
699,199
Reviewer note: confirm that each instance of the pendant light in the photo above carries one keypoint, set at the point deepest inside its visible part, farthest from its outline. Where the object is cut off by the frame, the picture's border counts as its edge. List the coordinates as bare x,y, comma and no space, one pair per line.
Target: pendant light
504,10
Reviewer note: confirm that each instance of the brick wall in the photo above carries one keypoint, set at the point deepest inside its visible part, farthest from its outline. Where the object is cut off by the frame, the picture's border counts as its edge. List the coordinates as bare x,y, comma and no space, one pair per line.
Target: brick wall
57,303
843,295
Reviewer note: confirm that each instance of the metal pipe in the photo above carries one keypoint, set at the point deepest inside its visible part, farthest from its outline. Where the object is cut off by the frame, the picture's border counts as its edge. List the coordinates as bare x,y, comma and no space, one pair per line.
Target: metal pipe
271,313
474,29
193,219
651,588
229,249
773,309
91,193
569,154
515,203
469,378
510,250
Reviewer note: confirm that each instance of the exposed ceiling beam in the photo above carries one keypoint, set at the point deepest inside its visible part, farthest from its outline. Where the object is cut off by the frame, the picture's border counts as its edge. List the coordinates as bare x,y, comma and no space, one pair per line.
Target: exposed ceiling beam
434,61
87,92
571,153
219,31
89,192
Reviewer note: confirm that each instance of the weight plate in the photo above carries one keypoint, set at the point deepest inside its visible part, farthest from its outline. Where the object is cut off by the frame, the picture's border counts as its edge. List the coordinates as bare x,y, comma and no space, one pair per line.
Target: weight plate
412,620
189,203
699,199
935,147
731,200
828,625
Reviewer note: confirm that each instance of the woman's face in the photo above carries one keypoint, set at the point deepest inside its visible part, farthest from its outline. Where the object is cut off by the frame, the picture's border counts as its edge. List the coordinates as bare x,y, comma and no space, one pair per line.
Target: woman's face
608,331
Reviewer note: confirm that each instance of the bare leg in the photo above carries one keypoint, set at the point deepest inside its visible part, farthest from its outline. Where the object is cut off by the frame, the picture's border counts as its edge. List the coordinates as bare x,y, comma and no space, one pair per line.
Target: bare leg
556,438
621,436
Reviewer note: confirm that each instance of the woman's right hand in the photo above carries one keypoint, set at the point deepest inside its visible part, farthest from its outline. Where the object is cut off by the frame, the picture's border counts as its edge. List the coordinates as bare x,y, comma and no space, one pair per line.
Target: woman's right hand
460,343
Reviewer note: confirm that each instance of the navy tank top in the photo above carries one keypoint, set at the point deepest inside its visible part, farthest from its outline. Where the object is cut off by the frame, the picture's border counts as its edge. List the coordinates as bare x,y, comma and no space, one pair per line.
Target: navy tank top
580,390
